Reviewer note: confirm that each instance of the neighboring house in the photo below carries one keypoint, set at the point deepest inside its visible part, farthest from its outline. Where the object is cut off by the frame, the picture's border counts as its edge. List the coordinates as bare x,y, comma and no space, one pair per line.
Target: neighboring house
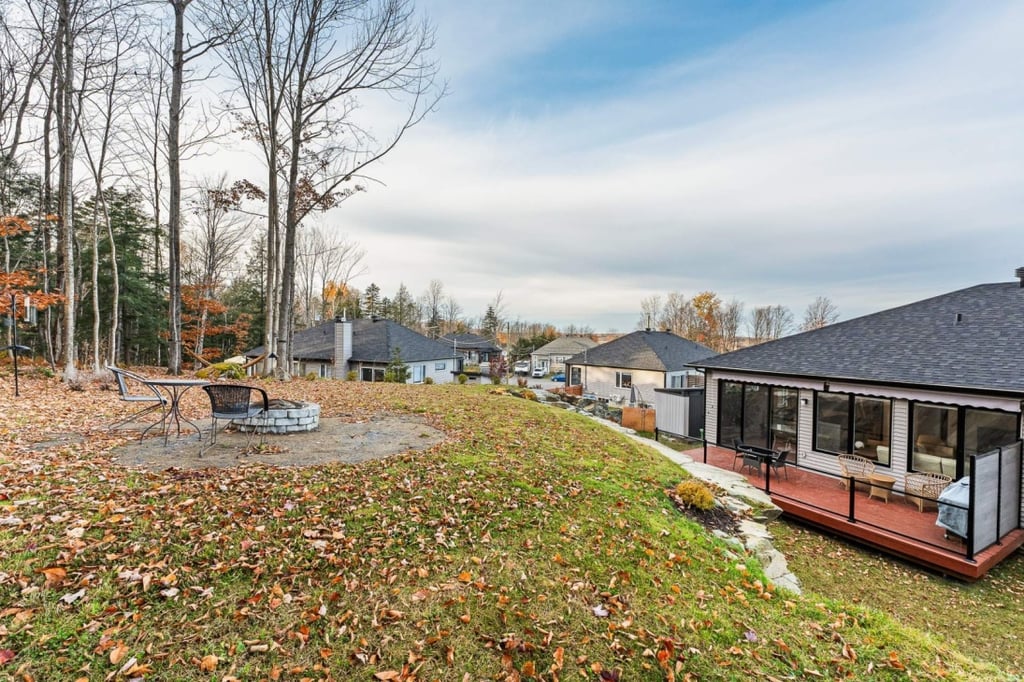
473,349
366,346
631,367
551,356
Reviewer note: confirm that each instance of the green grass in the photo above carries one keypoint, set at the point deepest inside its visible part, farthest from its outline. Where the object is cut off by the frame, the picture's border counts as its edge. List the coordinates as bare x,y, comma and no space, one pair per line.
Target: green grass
531,544
983,618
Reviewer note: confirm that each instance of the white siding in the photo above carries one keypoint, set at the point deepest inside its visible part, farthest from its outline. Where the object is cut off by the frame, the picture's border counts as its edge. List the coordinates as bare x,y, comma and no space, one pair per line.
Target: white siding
672,412
601,382
440,376
711,407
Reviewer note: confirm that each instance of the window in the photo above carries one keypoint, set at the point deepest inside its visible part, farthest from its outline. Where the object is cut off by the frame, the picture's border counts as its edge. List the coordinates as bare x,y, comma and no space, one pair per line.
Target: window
439,366
372,374
757,414
418,373
943,437
623,379
853,424
325,371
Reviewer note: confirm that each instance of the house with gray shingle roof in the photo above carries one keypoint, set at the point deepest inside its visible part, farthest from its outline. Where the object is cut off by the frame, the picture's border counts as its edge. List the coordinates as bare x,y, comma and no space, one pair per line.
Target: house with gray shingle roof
551,356
917,388
366,346
631,367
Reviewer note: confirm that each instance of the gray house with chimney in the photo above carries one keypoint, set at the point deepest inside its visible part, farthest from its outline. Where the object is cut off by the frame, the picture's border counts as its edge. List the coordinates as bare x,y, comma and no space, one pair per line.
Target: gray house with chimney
366,346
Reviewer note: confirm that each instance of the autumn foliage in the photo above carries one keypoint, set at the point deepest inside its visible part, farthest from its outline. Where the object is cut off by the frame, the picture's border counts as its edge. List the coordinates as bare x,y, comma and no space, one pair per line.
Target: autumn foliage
21,283
531,544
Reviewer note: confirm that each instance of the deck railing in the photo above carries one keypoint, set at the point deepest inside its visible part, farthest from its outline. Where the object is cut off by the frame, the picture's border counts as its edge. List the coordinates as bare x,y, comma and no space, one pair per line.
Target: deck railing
994,507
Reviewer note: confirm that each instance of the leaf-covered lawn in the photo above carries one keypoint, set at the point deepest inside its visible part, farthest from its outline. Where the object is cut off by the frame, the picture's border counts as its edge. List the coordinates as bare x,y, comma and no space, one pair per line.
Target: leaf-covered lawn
532,544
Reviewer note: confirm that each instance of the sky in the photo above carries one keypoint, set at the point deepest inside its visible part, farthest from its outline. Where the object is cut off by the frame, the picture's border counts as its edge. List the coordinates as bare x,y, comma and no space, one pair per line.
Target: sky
592,153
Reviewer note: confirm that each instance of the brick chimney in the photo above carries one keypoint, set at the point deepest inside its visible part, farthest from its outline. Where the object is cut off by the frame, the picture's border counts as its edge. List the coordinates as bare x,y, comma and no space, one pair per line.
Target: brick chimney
342,346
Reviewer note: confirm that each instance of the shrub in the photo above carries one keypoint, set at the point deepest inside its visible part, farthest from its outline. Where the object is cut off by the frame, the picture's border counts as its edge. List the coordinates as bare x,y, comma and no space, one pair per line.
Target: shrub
311,376
351,376
463,378
428,380
696,494
495,379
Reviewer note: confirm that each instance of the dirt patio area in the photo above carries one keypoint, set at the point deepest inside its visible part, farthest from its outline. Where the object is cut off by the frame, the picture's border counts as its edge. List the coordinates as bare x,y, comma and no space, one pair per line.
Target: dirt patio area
337,440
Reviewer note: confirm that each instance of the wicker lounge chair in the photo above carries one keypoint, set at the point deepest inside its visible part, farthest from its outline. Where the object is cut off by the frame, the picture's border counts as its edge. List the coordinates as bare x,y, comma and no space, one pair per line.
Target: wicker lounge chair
924,488
855,466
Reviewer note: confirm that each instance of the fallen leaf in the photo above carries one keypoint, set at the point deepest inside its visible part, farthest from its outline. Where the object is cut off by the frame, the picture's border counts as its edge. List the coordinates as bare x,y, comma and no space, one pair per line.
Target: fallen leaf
208,663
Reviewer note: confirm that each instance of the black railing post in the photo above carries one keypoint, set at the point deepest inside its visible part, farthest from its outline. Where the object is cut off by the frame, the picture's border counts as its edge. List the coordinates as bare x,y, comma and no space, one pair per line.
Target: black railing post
851,484
767,477
971,508
999,498
705,441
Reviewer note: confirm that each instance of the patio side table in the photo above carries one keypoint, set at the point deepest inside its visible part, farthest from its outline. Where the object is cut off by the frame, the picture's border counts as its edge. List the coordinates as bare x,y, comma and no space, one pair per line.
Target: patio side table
881,486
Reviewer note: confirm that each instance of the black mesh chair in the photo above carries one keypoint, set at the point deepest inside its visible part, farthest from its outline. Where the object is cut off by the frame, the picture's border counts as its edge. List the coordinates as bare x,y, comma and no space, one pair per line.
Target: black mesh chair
127,382
235,401
779,461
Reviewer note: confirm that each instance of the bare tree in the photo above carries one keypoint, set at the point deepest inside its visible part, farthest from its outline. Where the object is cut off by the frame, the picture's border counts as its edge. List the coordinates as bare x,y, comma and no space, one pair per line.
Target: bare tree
770,322
452,314
650,312
301,66
182,56
729,316
678,315
821,312
215,244
432,307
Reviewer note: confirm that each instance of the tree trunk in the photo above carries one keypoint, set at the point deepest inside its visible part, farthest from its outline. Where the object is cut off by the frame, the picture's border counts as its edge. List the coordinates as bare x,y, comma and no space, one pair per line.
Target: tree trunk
174,198
65,155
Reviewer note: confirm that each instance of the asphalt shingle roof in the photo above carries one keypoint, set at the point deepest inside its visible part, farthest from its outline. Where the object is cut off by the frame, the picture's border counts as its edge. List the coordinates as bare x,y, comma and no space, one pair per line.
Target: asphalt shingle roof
565,345
372,341
657,351
968,339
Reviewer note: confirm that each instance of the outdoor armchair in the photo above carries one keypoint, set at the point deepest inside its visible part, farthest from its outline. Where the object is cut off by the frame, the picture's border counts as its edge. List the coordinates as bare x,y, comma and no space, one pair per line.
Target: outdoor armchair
924,488
236,401
855,466
135,389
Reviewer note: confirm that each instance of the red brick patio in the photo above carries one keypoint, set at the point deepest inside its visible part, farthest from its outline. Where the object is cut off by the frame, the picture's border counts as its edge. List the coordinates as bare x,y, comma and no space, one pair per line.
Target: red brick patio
896,526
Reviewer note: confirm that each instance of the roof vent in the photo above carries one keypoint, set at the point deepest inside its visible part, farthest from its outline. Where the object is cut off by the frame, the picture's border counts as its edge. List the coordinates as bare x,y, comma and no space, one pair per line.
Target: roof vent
1019,272
958,319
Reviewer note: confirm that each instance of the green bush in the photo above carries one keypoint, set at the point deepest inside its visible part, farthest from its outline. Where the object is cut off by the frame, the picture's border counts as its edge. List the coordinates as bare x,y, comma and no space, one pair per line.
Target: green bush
351,376
428,380
495,379
696,494
463,378
311,376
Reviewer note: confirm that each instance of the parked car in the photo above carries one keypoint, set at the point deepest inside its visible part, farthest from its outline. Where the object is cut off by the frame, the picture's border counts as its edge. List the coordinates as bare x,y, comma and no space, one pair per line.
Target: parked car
522,367
538,372
559,377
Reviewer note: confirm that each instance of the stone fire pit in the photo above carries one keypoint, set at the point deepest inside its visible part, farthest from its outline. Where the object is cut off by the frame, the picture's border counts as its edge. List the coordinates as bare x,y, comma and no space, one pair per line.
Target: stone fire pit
284,416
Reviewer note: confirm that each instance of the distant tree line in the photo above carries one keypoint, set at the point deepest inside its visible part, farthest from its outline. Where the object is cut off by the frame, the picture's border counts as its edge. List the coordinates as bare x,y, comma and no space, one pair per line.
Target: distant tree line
719,325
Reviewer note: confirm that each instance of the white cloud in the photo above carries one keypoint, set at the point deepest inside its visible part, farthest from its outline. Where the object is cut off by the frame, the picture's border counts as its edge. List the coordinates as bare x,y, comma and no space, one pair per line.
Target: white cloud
774,169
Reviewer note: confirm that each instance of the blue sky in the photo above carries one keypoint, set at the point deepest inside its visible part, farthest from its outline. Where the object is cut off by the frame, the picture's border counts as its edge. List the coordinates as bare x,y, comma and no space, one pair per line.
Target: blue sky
593,153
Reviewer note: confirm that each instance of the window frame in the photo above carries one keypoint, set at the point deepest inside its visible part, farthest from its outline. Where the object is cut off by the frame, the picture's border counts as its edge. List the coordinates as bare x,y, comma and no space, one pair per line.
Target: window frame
851,426
621,377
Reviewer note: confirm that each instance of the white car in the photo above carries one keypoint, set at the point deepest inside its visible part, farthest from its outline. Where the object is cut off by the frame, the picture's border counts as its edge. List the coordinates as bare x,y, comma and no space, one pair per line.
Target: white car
538,372
521,367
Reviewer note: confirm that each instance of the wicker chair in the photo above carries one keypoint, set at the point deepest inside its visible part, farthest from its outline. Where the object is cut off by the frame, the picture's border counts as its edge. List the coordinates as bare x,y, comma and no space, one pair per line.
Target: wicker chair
924,488
234,401
854,466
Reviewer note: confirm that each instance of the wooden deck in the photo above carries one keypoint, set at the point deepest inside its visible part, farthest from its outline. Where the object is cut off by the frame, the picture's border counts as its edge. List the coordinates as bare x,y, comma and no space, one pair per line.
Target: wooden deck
896,527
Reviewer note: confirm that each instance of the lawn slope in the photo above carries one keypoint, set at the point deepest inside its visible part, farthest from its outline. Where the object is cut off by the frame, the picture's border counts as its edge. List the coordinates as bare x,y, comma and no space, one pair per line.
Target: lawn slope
531,544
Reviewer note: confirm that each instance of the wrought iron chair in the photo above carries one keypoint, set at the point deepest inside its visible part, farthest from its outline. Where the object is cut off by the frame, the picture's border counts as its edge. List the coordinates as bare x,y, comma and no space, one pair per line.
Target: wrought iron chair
235,401
152,395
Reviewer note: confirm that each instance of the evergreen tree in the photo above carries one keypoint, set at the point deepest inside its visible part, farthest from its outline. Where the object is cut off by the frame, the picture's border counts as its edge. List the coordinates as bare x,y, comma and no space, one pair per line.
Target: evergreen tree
397,371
